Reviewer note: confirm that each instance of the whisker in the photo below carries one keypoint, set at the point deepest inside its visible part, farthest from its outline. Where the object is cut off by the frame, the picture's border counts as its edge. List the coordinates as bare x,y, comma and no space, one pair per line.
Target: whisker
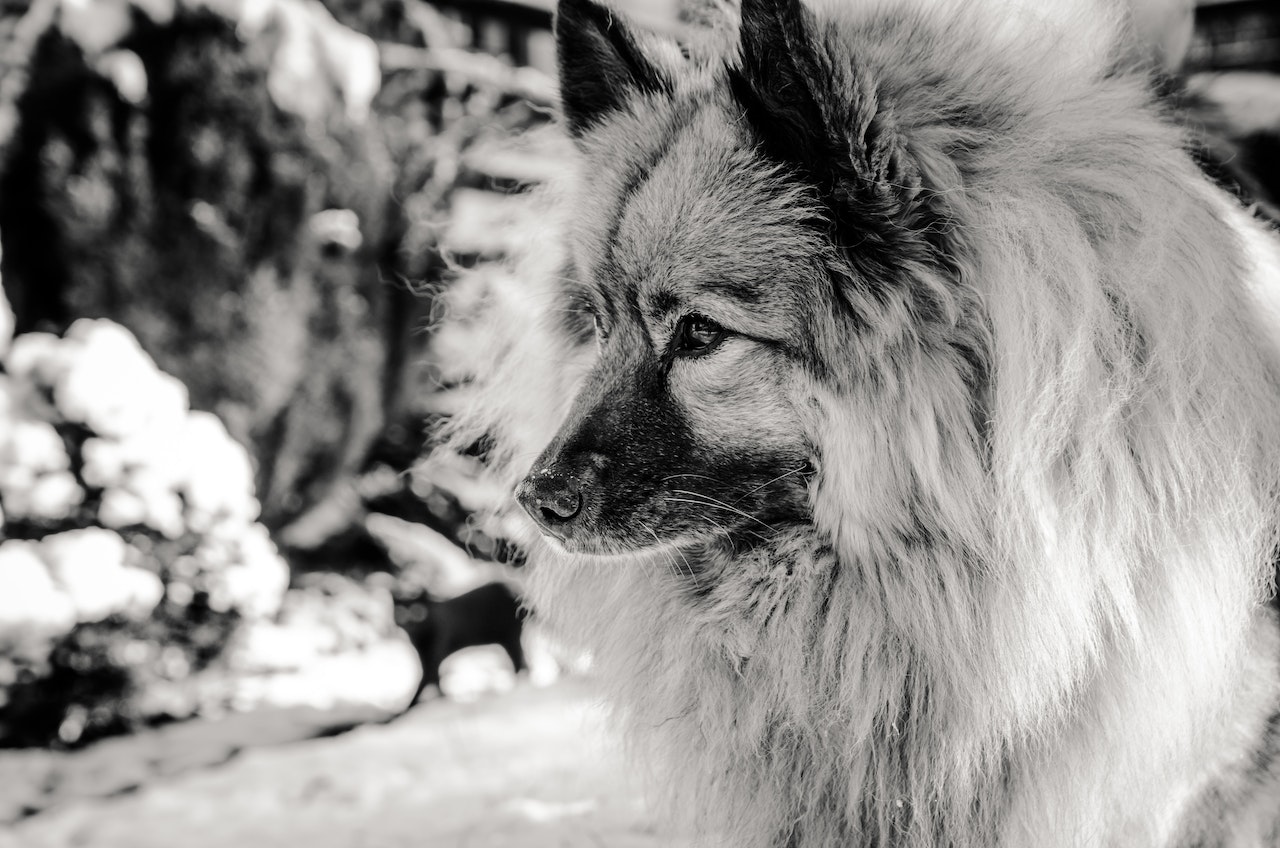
725,530
647,567
716,524
689,568
707,500
774,480
674,566
695,476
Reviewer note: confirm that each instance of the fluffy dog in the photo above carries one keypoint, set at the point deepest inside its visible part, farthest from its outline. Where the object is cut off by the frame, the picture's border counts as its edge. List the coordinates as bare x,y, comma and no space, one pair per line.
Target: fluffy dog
907,417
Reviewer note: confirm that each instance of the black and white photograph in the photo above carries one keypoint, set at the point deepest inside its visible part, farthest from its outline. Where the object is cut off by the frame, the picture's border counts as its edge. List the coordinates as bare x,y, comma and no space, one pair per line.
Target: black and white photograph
639,423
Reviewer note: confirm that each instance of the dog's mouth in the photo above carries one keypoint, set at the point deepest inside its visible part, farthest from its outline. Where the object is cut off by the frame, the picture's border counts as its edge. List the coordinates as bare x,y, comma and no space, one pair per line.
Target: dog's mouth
598,547
573,520
572,523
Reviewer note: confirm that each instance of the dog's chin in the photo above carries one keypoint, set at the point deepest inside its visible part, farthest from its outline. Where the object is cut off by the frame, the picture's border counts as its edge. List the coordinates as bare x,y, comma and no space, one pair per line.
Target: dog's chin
602,547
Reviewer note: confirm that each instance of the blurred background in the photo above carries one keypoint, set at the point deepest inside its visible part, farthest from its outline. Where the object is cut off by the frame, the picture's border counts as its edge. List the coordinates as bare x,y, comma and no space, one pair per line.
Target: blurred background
243,245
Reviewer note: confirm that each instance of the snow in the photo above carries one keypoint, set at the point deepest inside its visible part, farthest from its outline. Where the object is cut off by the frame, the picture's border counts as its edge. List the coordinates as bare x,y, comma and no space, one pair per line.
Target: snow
243,570
89,565
125,70
68,578
156,465
337,226
122,508
51,497
33,357
383,675
213,472
34,480
34,446
109,384
95,25
314,54
32,606
534,768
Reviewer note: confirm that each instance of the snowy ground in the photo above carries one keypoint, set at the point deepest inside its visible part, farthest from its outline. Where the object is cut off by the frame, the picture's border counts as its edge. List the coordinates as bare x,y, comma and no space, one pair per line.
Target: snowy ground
531,768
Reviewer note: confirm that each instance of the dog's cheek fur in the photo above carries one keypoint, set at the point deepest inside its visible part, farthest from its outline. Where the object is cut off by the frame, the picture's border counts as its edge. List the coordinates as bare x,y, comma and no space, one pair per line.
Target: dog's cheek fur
736,399
754,455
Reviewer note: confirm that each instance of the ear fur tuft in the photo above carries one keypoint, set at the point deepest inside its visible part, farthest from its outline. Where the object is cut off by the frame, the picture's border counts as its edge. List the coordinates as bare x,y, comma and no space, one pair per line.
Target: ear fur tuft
817,114
778,83
601,64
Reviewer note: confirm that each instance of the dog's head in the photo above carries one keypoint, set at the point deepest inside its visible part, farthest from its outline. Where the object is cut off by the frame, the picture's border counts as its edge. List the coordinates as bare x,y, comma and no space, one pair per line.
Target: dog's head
732,252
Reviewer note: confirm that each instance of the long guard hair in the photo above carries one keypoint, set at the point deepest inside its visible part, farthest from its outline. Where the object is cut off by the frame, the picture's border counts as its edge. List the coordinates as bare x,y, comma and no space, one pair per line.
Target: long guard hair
1036,387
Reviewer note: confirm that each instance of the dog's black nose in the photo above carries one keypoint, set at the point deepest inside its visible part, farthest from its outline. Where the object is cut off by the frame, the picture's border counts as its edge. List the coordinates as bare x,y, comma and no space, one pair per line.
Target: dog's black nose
551,498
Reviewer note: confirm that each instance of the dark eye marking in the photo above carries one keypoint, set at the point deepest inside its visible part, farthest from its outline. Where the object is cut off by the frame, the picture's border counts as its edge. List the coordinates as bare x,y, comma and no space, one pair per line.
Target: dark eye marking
597,313
577,316
696,335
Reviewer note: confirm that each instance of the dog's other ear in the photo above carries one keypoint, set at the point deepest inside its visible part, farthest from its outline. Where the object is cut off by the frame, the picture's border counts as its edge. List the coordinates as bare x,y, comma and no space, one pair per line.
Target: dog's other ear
602,64
778,82
810,111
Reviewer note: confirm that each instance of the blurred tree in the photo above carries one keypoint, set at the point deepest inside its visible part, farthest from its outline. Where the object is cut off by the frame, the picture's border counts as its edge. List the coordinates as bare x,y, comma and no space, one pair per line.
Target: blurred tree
251,197
185,216
180,182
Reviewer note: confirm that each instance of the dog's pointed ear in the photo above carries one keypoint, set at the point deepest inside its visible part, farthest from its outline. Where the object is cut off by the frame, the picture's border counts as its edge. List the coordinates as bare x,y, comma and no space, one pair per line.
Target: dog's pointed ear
811,111
602,64
779,82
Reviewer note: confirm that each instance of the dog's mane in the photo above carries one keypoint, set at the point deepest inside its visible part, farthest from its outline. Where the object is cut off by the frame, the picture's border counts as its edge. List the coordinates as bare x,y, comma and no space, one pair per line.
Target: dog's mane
1059,494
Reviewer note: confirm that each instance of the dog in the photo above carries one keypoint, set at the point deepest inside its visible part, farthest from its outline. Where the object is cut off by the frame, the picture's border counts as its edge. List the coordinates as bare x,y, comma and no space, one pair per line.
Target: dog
906,413
487,615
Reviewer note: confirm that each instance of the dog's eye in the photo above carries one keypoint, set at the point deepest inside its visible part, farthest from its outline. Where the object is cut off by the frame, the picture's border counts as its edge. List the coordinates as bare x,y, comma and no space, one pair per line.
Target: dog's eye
601,332
696,334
